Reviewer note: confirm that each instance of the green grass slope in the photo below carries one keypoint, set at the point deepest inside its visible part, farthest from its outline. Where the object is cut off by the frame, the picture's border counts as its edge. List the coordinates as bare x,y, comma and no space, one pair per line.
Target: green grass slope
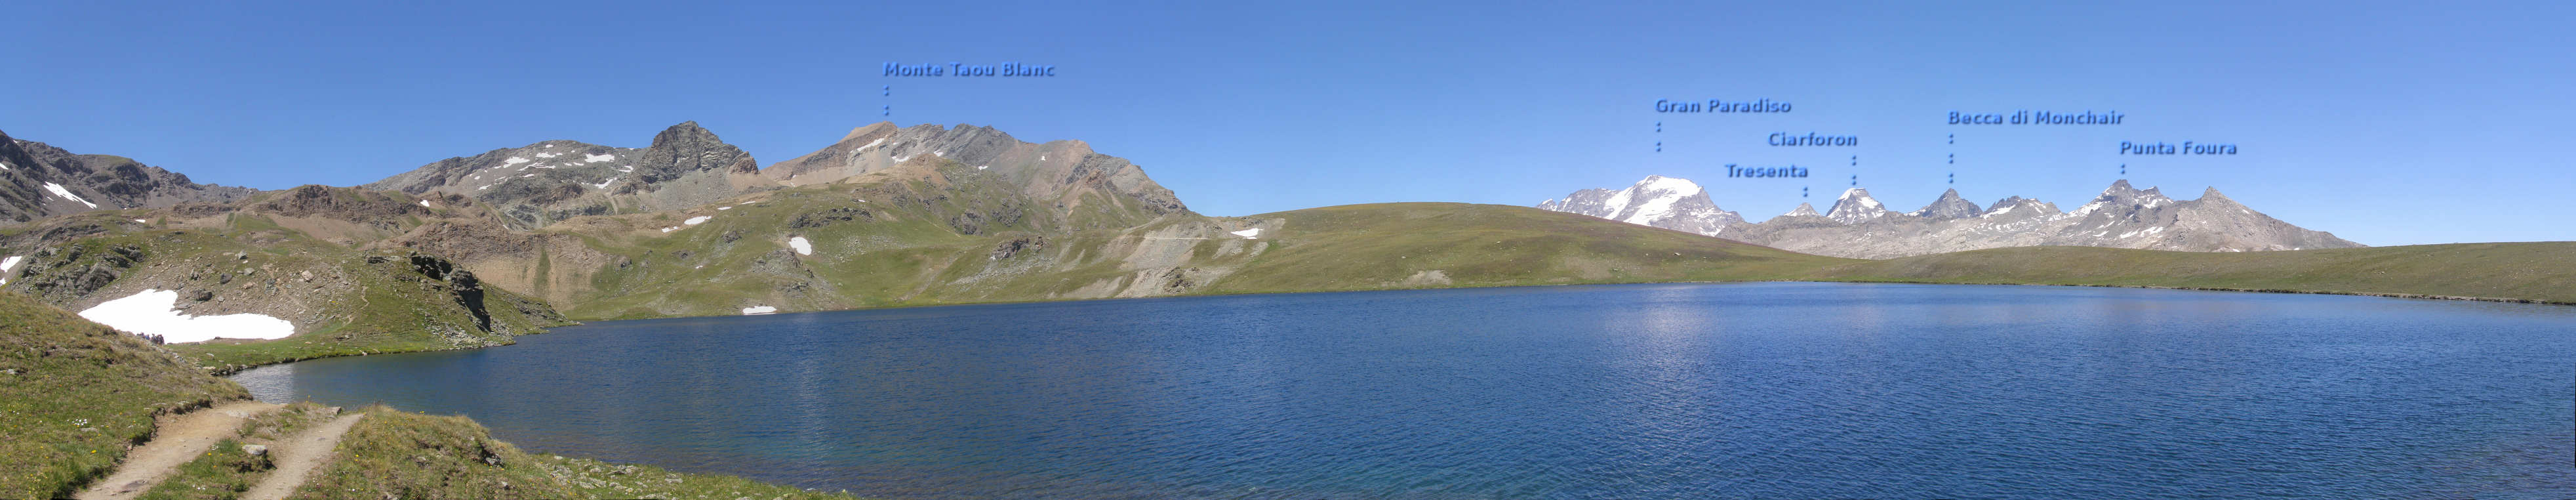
2532,272
392,454
1412,245
75,394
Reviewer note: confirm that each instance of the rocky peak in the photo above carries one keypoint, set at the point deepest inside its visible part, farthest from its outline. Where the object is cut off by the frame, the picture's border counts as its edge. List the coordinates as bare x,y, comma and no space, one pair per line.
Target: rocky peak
687,147
1803,210
1856,206
1949,206
2211,195
2016,204
685,132
2008,201
2122,199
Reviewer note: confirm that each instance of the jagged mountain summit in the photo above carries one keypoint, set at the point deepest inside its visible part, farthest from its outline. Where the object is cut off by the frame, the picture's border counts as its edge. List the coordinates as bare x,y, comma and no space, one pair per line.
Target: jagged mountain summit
546,182
1856,207
38,180
2121,217
1949,206
1658,201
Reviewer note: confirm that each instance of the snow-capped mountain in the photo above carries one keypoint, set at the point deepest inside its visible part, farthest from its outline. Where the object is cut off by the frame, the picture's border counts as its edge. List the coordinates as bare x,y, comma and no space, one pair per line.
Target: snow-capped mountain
1860,226
1658,201
1857,207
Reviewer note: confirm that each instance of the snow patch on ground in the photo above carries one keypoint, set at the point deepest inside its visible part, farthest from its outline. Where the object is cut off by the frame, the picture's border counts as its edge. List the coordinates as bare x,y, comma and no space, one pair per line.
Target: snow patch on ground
604,184
4,165
513,161
547,155
141,220
153,312
720,209
874,143
670,229
1249,234
425,203
592,158
802,247
696,220
758,310
8,264
628,168
67,194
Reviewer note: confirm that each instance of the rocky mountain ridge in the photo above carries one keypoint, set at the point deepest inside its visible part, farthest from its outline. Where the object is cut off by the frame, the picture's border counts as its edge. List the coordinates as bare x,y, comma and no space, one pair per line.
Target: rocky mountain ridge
1859,226
38,180
543,183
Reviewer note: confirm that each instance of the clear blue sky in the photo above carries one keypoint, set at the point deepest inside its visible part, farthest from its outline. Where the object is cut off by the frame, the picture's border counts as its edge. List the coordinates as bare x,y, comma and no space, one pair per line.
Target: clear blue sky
2397,123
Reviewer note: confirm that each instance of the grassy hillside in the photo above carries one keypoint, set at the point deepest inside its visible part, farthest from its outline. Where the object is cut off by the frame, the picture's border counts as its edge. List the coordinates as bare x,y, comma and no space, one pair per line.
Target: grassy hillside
392,454
2538,272
74,394
902,245
342,300
1407,245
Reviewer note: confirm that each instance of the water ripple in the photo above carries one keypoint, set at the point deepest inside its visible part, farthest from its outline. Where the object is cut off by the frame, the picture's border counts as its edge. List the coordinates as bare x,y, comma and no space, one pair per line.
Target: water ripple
1776,390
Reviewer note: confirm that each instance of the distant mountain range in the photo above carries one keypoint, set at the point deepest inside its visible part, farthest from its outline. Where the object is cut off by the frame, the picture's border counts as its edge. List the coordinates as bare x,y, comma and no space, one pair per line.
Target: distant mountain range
1859,226
472,250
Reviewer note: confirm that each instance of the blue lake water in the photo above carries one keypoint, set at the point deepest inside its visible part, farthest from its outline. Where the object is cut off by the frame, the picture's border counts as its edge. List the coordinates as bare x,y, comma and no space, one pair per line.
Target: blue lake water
1760,390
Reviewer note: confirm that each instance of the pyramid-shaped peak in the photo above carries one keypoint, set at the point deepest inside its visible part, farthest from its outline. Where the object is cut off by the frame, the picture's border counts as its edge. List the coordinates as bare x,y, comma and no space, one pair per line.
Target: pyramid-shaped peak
2211,194
1805,210
1949,206
1856,206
